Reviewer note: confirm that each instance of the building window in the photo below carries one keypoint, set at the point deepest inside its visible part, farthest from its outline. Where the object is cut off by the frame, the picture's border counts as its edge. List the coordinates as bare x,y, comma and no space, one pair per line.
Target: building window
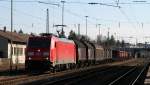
20,51
17,51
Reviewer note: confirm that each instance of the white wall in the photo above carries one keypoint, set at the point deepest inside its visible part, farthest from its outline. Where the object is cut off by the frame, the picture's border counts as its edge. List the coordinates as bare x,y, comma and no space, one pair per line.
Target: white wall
15,58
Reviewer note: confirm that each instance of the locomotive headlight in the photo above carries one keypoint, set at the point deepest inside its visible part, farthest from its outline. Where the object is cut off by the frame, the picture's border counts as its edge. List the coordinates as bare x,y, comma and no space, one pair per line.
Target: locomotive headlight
46,58
30,53
45,53
30,58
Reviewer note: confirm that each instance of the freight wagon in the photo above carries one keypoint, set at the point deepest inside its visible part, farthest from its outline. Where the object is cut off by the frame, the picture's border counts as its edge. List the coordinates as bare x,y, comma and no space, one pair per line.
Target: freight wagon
120,55
99,53
81,57
90,52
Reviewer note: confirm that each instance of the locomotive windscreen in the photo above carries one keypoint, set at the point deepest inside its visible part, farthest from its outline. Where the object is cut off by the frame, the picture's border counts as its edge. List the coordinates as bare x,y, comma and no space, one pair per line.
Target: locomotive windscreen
39,43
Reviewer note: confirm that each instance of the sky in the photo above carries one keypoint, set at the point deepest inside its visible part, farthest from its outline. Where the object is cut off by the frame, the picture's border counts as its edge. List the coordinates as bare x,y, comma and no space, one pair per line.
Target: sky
131,22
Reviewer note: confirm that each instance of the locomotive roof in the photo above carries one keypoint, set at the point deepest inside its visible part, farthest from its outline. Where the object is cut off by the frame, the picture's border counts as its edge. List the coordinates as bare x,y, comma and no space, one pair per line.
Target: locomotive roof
60,39
66,40
34,37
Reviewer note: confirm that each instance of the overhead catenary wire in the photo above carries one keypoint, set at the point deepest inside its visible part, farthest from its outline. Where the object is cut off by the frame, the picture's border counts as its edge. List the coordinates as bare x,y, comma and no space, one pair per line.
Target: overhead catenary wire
130,22
140,24
73,13
126,16
24,13
79,2
91,18
107,20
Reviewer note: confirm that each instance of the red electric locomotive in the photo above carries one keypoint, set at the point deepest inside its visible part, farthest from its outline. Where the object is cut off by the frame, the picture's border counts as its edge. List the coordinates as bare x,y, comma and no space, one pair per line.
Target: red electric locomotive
49,52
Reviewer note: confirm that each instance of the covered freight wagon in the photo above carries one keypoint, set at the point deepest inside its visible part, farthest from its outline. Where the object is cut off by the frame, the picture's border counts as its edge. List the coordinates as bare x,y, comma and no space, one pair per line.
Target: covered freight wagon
81,56
90,52
107,53
99,53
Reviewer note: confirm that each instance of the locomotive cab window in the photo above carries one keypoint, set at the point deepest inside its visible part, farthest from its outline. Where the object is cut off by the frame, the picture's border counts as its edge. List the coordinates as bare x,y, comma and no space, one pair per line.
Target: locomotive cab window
39,43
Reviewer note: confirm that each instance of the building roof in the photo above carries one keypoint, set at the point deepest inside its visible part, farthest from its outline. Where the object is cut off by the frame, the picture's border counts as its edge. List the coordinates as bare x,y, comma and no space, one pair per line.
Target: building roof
15,37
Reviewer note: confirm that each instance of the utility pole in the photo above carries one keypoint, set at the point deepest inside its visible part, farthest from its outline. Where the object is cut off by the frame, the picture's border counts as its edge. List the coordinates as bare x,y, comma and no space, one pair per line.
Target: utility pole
86,25
142,24
63,7
78,29
49,4
108,33
119,24
47,22
136,41
11,51
108,41
99,28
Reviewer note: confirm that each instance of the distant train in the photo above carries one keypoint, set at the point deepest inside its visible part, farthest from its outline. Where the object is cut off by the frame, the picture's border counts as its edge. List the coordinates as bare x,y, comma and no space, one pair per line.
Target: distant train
52,53
120,55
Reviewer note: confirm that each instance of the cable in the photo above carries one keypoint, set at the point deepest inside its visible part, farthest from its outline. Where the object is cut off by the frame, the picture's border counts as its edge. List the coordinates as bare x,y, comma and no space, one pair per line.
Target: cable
128,20
17,1
78,2
124,14
36,17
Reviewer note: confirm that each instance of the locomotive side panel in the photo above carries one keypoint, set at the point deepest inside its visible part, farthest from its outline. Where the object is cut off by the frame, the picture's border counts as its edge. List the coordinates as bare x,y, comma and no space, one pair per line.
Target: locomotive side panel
65,53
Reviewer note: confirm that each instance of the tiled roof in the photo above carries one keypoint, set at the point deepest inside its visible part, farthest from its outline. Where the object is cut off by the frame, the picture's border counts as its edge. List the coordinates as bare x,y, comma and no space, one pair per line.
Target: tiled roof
15,37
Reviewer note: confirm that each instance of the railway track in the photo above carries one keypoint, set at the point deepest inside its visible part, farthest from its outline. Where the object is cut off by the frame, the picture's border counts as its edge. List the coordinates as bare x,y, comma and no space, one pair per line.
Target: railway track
27,78
77,79
109,76
24,79
52,77
132,77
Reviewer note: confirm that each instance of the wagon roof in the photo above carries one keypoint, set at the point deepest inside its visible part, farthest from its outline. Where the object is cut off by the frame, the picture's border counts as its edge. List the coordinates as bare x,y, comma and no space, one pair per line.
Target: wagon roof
79,43
97,46
88,44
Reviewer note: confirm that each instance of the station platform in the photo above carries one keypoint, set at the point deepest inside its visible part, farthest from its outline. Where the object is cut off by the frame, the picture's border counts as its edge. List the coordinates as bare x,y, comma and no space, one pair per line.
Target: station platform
147,79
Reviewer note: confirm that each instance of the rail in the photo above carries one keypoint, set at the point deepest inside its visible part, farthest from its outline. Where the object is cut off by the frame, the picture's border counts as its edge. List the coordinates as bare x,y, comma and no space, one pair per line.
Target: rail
137,73
122,76
141,74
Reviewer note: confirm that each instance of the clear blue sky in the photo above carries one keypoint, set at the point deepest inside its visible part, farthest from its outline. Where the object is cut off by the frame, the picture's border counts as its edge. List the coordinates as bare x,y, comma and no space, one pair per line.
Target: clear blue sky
31,17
